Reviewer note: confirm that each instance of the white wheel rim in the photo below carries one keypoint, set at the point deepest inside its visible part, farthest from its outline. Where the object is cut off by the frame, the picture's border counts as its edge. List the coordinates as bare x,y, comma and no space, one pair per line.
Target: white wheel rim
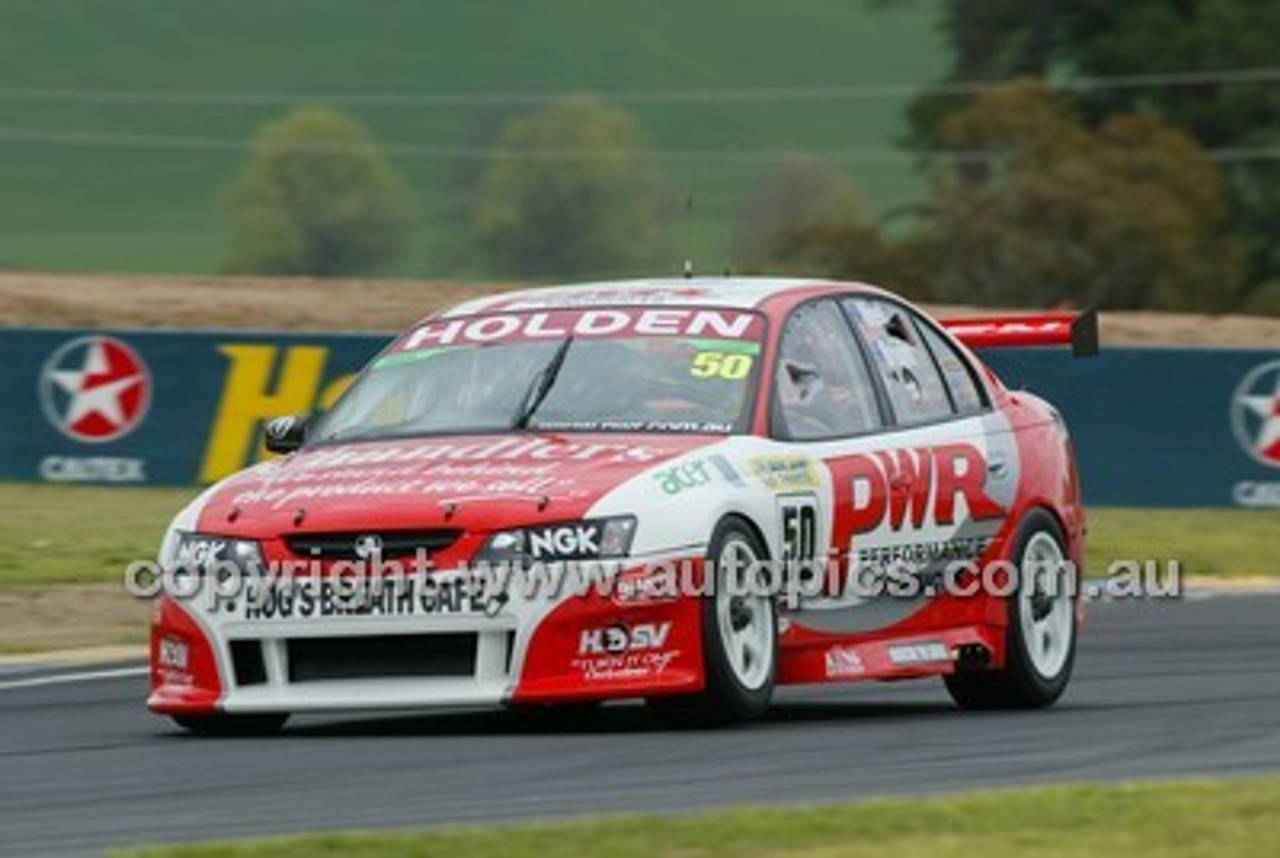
743,614
1046,606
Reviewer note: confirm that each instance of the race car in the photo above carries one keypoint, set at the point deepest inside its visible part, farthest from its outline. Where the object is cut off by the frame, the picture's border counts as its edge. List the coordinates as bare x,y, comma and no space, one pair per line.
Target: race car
687,491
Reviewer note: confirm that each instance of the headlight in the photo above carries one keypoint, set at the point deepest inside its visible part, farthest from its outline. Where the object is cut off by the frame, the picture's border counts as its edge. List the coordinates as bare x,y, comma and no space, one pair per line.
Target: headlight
589,539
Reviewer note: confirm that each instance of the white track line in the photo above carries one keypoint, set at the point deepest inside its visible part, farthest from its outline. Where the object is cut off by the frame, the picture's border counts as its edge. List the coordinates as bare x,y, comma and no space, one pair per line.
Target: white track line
69,678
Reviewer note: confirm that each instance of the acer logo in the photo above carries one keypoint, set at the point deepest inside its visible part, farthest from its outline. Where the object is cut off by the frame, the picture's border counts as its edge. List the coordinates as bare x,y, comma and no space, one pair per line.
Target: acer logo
615,640
917,485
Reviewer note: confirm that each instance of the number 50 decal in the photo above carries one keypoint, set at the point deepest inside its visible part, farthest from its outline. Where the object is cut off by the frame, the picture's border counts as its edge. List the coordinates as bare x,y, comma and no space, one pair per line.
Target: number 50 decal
729,365
799,517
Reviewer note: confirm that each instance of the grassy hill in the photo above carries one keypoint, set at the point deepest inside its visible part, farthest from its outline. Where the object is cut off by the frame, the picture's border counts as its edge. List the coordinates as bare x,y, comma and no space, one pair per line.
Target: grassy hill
84,185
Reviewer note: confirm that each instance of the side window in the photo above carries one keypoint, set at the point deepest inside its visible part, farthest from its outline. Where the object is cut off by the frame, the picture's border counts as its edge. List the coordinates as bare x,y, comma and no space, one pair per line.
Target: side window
899,356
955,371
821,385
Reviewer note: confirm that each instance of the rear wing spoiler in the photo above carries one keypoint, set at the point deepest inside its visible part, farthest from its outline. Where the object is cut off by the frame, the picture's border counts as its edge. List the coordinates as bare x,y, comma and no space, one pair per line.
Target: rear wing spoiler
1078,330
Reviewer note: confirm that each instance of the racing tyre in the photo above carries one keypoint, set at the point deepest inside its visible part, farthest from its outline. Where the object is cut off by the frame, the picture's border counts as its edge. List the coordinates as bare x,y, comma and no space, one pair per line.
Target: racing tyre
1040,639
232,725
739,637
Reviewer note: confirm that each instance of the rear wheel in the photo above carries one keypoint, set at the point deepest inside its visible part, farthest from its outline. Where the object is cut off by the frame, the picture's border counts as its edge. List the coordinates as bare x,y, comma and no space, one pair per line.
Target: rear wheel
1040,639
739,636
232,725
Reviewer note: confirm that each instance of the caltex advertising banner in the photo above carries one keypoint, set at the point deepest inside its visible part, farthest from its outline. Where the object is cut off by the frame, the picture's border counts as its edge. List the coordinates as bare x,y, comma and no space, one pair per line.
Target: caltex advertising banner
147,407
1153,427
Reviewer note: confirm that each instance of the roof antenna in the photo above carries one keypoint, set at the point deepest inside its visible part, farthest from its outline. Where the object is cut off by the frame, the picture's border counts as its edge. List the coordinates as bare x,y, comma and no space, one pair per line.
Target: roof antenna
688,212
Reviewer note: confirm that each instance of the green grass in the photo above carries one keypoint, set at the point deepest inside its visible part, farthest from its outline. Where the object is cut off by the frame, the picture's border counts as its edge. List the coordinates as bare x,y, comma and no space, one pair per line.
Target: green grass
1173,820
1216,542
79,535
51,534
140,209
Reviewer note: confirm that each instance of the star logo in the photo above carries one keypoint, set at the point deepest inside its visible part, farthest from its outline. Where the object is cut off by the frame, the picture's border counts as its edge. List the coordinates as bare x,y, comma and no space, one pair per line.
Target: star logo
95,389
1255,413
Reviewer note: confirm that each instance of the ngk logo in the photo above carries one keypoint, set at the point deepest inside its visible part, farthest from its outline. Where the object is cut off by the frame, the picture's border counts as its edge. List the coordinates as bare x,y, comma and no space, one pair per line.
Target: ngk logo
577,540
918,485
201,553
615,640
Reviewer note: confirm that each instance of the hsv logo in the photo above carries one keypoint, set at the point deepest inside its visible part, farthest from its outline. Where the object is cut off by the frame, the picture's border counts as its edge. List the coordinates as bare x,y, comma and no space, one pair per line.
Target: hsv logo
614,640
910,484
95,389
1255,413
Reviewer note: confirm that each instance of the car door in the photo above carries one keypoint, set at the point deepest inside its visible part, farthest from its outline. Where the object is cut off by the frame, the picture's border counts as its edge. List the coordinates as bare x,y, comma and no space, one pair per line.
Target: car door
913,496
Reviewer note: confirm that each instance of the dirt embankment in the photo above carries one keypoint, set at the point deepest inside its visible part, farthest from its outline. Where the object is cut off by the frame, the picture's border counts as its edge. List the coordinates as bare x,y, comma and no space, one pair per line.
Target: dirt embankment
297,304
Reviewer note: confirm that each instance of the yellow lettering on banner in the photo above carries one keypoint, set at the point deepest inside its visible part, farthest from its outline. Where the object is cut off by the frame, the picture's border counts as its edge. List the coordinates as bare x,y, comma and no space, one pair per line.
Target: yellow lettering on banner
247,400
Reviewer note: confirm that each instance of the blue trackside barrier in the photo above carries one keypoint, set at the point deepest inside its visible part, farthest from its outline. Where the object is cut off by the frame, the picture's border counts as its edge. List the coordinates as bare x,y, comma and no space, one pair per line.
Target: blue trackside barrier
1153,426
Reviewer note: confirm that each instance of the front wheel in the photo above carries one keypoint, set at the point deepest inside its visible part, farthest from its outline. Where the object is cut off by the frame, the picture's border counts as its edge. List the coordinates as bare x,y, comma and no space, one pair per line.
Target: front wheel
232,725
1040,639
739,636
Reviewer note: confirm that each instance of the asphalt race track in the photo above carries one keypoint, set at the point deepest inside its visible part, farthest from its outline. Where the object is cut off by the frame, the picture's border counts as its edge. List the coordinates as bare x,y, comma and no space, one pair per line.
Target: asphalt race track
1161,689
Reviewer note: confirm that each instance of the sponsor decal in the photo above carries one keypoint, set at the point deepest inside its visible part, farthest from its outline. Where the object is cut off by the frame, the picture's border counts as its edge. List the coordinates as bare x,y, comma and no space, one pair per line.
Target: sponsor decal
173,653
785,473
912,486
316,598
582,324
604,297
1255,414
697,427
679,478
727,471
923,554
580,541
616,639
95,389
513,466
93,469
1257,495
930,652
844,661
501,450
624,653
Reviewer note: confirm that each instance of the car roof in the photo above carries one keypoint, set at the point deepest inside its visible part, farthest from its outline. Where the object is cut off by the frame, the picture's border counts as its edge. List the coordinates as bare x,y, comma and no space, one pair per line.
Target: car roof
733,292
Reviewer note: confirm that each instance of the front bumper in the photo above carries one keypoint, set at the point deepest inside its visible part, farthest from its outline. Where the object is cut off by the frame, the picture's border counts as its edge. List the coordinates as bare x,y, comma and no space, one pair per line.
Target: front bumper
529,652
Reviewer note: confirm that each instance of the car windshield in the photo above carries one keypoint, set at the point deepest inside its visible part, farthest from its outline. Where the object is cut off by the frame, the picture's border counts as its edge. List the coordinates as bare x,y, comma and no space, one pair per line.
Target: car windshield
641,370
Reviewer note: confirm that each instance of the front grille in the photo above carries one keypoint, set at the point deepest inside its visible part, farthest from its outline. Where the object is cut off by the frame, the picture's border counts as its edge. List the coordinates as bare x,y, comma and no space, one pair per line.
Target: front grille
247,663
396,544
383,656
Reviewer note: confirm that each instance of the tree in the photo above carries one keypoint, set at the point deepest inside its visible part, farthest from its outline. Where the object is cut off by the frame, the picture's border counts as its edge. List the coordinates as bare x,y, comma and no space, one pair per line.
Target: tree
568,193
800,195
808,218
317,197
1128,215
996,39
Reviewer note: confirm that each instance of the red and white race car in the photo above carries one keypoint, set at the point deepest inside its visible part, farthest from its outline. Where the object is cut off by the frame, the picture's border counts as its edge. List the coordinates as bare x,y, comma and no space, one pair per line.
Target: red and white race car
688,491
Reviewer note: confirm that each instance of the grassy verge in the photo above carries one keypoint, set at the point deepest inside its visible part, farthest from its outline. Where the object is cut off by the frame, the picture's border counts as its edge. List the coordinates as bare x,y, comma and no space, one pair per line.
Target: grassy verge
1173,820
1211,542
53,534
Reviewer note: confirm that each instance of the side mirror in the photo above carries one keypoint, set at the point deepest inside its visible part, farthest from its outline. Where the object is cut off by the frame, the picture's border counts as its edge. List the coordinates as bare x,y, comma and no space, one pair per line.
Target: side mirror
286,434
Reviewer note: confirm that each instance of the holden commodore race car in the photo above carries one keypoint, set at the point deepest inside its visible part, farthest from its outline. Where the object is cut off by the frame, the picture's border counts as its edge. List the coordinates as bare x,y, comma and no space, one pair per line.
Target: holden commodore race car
687,491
